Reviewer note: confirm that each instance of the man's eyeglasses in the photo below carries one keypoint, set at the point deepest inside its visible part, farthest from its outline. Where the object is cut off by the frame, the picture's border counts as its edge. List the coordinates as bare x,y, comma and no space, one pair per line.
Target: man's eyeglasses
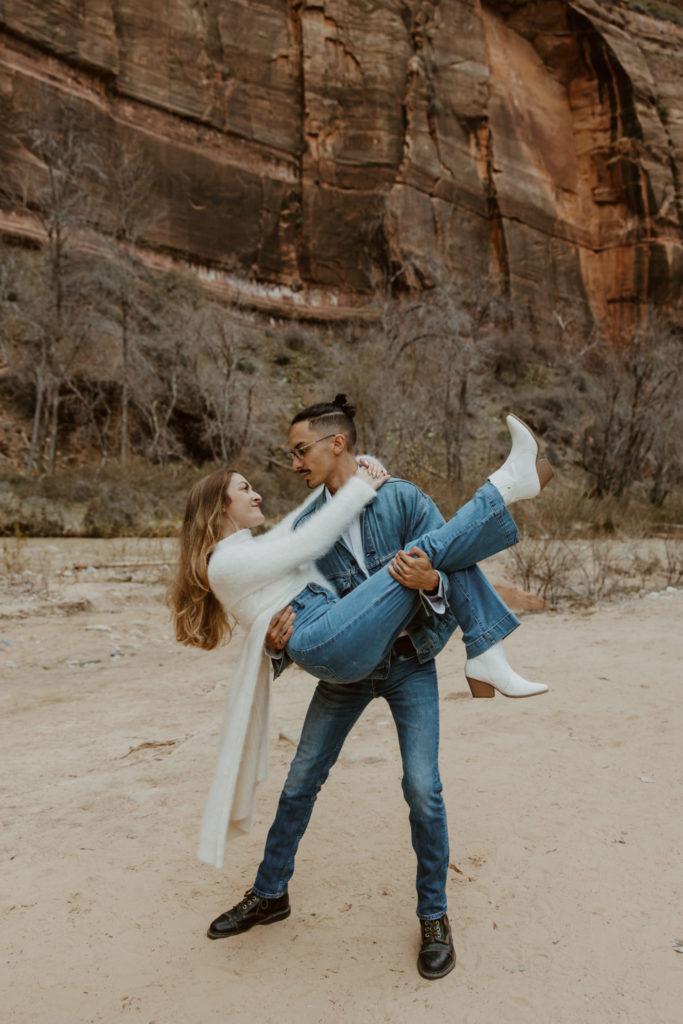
300,450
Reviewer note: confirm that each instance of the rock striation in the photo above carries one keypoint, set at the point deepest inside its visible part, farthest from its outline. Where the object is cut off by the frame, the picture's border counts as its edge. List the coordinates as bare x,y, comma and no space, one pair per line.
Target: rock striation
311,154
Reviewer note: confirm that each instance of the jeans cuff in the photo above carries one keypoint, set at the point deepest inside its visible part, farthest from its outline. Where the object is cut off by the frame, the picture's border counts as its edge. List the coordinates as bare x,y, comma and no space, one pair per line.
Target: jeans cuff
502,628
267,895
501,512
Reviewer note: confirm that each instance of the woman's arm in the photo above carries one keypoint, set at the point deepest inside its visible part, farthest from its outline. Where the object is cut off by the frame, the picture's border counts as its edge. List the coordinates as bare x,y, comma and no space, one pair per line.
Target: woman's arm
271,557
285,525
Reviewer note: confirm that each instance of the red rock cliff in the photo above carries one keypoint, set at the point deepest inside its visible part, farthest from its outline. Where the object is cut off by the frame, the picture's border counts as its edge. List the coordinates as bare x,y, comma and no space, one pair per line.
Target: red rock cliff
308,153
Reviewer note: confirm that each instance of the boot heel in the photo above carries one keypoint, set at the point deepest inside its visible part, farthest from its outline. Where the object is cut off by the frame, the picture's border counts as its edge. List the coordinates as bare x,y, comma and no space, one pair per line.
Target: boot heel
545,472
480,689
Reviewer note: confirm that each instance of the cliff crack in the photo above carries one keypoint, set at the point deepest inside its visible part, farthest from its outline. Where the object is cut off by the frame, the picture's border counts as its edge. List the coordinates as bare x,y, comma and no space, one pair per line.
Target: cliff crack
671,145
294,12
420,89
335,35
496,229
118,35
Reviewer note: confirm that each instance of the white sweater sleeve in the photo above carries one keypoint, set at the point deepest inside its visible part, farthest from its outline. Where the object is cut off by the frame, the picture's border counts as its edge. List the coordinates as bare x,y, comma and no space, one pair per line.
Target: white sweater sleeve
270,558
284,526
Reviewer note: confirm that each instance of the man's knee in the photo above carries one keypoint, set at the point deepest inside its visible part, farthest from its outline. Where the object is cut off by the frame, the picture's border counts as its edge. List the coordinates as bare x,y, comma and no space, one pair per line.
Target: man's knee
423,794
306,776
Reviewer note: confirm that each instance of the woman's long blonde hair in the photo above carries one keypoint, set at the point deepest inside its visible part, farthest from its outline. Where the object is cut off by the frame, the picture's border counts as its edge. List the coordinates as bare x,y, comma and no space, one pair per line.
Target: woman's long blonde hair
199,617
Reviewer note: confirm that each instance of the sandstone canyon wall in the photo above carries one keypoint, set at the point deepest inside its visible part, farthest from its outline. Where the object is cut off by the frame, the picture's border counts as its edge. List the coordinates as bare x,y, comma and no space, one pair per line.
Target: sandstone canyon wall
310,154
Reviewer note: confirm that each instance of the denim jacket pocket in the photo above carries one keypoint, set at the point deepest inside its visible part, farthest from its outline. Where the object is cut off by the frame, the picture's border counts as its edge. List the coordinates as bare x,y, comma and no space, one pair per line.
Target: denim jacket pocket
298,603
344,581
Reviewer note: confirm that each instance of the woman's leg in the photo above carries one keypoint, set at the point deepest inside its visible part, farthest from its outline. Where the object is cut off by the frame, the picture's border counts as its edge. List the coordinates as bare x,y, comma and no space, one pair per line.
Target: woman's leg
480,611
343,639
451,546
482,527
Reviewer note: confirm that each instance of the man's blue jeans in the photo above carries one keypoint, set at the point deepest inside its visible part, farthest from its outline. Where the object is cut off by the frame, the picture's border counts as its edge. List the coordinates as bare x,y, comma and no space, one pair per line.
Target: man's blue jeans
412,694
342,640
482,527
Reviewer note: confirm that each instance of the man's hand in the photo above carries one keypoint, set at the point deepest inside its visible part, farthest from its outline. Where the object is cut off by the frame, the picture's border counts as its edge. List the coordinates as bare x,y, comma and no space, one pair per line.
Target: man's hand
414,570
280,629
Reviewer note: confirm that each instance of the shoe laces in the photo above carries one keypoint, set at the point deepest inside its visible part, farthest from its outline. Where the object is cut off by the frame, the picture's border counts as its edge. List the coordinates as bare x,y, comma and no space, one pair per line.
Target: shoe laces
433,930
247,901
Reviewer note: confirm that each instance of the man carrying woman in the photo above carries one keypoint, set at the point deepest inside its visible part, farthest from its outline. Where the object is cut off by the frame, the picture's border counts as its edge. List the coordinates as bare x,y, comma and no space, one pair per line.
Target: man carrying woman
364,630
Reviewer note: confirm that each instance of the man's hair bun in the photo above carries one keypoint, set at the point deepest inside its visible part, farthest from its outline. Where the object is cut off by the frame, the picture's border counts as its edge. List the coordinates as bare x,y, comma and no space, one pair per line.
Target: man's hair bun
331,417
342,402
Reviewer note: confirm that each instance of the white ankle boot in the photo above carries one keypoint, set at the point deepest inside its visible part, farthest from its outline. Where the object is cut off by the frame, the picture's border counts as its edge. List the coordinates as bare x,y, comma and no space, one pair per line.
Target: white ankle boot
491,671
523,474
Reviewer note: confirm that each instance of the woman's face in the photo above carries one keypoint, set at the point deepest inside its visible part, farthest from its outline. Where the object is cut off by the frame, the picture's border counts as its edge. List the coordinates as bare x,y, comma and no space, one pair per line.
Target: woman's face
241,510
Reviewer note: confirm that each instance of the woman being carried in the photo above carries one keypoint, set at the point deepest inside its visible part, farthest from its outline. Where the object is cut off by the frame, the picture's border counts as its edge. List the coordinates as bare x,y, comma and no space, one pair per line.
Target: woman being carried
225,571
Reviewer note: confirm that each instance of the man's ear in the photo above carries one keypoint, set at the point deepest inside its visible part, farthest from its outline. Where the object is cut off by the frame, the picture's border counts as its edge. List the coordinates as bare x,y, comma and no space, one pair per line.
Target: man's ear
339,444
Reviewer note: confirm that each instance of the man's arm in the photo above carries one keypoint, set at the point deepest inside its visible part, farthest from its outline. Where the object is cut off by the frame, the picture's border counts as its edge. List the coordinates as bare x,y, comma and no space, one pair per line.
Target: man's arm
419,512
419,515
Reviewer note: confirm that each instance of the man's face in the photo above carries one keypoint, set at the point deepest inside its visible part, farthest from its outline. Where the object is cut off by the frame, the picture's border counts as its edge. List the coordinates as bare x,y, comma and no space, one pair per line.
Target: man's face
315,453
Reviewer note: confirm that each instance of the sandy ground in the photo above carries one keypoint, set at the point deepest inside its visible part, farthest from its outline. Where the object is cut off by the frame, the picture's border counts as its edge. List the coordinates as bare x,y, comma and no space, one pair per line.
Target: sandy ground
565,822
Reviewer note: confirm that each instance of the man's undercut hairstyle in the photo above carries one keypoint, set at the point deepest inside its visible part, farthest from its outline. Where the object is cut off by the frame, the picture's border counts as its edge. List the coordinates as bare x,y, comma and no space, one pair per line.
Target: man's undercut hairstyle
336,416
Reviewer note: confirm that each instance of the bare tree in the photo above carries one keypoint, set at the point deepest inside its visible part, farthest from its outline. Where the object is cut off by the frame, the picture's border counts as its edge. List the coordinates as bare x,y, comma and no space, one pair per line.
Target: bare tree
226,402
636,398
439,342
368,375
161,391
50,189
665,462
162,381
123,174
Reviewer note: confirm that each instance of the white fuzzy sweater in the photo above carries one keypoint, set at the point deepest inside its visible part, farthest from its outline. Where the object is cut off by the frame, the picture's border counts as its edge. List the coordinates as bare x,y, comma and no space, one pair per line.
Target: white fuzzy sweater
253,577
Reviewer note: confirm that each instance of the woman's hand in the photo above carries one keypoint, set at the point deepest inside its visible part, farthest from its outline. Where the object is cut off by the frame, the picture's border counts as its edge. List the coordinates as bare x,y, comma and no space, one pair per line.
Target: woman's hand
280,629
374,475
413,570
369,462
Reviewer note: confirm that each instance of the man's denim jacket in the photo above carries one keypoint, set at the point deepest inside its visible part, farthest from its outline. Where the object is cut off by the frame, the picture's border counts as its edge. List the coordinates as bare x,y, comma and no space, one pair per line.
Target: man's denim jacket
400,514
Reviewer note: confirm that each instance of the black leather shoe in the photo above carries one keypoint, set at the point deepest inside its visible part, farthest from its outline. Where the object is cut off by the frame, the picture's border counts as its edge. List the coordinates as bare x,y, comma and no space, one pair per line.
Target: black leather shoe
437,956
250,910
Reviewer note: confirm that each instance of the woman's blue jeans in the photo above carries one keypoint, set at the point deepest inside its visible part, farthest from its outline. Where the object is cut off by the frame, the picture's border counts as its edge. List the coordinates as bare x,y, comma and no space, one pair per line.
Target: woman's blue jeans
412,694
341,640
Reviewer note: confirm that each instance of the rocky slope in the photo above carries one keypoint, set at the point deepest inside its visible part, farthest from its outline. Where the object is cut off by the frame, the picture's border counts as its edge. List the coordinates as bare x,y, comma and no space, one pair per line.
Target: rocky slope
308,153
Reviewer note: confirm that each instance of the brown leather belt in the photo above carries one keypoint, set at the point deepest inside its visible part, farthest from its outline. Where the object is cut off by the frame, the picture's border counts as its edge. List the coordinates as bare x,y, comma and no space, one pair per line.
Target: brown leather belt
403,648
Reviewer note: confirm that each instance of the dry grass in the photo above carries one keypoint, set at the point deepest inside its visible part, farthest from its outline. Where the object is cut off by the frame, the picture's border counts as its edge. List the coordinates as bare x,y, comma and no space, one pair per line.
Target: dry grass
673,561
579,550
22,574
12,559
581,572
